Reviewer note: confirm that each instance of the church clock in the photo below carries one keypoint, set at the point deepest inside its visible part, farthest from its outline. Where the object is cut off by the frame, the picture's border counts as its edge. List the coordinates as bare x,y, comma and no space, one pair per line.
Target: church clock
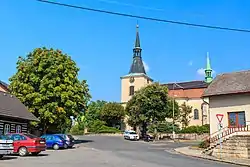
132,79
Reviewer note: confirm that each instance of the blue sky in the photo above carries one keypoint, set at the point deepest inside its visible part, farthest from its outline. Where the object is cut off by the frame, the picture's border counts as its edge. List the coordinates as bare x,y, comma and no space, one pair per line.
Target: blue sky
102,44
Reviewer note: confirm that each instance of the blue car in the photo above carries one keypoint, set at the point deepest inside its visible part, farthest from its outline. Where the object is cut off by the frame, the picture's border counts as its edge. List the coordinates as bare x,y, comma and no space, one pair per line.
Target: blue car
70,141
55,141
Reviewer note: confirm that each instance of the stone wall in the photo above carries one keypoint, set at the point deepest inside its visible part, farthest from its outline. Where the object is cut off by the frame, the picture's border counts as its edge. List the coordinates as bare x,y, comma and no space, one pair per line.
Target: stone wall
235,147
191,136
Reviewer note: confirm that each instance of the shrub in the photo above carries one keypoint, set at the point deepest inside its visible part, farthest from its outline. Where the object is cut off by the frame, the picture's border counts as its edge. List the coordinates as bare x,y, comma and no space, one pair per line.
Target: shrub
196,129
164,127
204,144
100,127
75,130
106,129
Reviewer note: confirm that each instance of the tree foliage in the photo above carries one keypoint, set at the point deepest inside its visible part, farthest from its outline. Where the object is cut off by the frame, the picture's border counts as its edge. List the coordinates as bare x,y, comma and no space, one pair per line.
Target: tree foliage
185,111
112,113
150,104
46,82
94,111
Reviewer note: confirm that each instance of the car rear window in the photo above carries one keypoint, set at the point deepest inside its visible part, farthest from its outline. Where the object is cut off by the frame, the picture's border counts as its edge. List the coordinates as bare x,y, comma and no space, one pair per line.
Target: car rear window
132,133
4,137
30,136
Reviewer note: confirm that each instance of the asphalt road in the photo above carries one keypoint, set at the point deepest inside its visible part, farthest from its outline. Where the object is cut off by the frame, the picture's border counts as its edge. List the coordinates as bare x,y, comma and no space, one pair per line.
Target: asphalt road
151,154
99,151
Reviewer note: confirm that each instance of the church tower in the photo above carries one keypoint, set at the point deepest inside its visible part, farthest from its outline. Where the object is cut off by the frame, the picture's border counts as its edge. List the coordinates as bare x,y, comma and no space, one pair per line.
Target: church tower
208,71
137,77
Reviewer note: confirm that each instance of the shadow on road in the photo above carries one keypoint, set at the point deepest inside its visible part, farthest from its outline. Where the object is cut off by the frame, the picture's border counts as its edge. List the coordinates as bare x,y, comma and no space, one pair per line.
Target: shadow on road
83,141
7,158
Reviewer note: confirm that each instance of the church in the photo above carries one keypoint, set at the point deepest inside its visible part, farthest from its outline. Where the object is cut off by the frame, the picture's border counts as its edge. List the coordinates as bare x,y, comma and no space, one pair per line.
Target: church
189,92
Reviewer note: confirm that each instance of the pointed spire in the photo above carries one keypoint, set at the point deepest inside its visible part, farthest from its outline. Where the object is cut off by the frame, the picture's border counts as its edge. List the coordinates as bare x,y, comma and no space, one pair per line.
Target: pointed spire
208,71
137,64
137,40
208,62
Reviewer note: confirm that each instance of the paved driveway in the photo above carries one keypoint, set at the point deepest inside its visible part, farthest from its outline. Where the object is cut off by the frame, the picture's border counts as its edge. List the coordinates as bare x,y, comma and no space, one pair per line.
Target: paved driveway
112,152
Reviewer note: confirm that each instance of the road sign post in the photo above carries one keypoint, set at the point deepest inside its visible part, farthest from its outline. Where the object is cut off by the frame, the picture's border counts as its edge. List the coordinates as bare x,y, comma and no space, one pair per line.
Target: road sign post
220,127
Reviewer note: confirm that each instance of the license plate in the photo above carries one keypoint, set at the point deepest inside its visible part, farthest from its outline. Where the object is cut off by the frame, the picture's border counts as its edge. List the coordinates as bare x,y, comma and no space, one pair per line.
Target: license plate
42,142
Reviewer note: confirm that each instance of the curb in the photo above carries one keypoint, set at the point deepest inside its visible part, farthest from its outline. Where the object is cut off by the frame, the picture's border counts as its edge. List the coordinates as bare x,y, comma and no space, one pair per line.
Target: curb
212,159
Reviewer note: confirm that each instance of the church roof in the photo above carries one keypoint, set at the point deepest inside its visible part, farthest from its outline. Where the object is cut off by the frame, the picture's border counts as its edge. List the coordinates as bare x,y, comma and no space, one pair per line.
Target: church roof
137,65
229,83
187,85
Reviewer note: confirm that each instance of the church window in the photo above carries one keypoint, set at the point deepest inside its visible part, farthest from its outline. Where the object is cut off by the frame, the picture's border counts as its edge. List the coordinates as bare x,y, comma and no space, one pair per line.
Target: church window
131,90
196,114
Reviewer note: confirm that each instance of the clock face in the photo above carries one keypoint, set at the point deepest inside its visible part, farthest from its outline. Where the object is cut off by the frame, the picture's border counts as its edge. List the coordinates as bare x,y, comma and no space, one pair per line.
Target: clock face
132,79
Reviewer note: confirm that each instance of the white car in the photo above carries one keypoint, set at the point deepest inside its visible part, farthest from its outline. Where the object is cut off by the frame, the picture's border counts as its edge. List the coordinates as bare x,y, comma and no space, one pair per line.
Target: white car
131,135
6,146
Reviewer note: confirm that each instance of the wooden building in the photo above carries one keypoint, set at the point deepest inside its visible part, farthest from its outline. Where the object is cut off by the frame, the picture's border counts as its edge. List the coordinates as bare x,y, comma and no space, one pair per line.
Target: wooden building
14,116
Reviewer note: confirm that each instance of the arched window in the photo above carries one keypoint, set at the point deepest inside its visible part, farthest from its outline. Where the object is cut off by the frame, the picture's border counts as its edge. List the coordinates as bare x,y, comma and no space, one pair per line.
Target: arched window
196,114
131,90
6,128
18,129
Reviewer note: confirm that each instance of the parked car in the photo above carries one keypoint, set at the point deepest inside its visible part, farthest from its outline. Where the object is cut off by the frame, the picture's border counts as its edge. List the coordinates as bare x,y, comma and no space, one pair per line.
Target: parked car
131,135
6,146
70,141
55,141
25,143
147,138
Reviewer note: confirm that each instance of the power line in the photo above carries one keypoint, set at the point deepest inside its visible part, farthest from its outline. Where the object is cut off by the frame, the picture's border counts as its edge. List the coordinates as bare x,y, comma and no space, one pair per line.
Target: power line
145,18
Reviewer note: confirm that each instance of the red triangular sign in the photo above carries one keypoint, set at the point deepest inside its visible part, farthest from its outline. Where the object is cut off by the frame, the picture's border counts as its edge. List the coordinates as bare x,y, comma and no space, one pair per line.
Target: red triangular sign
219,117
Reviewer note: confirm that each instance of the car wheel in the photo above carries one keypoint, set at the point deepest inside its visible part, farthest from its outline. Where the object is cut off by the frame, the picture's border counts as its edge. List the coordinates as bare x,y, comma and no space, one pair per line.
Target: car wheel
22,151
56,147
35,153
1,156
65,146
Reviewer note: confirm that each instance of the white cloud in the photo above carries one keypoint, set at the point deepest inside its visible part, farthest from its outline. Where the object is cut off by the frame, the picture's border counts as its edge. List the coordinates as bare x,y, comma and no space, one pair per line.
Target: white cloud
190,63
146,66
201,72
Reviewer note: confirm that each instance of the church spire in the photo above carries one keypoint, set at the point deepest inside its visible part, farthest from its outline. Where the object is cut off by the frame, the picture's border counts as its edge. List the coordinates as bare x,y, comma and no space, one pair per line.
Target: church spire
137,65
137,40
208,71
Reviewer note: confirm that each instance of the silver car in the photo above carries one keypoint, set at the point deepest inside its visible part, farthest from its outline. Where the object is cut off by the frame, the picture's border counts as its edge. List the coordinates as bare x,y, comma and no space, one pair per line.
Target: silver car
6,146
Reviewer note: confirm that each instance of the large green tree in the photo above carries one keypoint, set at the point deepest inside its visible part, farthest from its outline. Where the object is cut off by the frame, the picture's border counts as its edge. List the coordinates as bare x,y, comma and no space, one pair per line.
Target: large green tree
47,82
150,105
112,113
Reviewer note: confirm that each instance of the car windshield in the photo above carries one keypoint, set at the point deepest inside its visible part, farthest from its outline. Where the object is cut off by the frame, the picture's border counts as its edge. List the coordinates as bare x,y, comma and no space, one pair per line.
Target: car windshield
30,136
71,137
132,133
3,137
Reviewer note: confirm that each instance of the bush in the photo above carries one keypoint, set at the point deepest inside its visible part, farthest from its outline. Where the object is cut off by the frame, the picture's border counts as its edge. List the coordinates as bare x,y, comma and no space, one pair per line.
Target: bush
106,129
98,126
164,127
196,129
204,144
76,130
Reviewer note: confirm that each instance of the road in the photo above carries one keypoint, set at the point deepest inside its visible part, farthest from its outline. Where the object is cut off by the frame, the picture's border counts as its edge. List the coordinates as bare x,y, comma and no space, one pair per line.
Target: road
100,151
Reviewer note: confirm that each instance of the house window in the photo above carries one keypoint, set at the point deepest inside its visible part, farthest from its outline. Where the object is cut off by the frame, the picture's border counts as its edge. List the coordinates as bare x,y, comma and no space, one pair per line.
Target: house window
6,128
18,129
131,90
236,119
196,114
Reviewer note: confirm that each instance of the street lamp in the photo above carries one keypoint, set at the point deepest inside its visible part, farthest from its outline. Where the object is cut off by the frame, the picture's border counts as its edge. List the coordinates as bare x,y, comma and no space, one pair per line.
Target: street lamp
173,106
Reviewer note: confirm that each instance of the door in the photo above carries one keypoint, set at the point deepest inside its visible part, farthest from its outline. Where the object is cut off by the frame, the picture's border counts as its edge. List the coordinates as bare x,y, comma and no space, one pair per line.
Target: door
236,119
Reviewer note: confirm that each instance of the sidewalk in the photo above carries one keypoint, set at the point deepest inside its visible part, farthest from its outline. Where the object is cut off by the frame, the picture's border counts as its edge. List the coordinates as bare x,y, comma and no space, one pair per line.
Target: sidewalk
197,154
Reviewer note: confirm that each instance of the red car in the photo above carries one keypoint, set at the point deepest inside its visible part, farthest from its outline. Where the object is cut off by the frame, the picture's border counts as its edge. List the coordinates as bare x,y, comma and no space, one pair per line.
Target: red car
25,143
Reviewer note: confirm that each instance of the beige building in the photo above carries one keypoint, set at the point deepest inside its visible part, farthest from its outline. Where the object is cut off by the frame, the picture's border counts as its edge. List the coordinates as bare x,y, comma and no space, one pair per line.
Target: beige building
229,96
189,92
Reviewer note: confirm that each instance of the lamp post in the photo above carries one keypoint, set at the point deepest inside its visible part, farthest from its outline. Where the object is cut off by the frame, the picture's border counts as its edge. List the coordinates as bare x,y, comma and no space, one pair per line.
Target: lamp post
174,106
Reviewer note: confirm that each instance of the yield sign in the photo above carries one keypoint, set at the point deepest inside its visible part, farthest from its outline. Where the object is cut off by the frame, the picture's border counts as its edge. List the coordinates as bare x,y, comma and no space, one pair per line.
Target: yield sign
219,117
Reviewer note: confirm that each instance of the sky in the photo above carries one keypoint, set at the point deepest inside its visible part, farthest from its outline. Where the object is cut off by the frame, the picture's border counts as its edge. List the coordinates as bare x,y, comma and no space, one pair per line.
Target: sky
102,44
